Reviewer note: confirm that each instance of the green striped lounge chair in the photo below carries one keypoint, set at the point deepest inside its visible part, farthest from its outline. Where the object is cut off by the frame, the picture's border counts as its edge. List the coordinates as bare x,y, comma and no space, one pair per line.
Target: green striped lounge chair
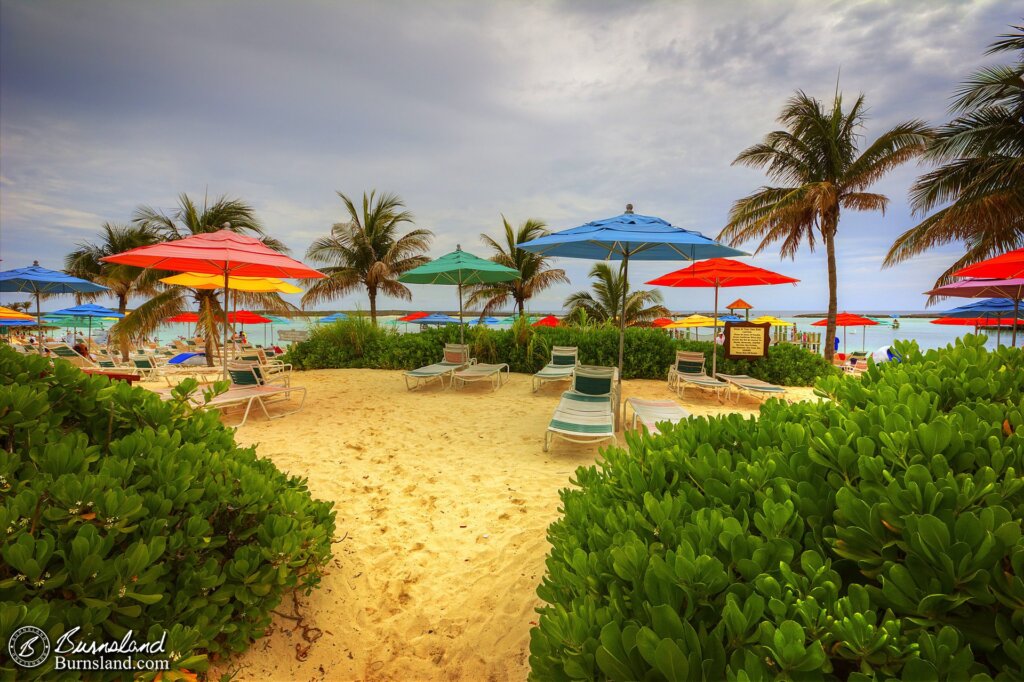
762,390
63,350
246,392
650,413
564,360
456,356
688,370
585,413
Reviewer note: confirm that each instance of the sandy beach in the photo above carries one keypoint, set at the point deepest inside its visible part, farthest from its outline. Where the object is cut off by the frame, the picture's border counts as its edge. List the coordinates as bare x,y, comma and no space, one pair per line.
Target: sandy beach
443,501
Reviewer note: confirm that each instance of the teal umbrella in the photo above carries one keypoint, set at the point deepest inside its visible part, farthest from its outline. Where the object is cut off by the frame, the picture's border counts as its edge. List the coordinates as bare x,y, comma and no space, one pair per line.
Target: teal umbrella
459,268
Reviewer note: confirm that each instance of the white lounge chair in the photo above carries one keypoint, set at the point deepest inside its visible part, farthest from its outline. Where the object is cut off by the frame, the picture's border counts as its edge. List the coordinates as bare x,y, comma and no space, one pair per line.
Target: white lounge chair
688,370
586,413
456,356
480,372
761,390
564,361
63,350
246,395
649,413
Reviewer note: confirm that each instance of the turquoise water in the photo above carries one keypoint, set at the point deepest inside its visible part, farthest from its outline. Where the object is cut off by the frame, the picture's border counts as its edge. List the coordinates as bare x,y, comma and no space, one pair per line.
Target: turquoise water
926,334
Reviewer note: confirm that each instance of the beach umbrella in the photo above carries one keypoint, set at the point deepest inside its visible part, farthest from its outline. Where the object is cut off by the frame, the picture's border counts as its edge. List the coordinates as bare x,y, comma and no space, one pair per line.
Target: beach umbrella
740,304
223,253
1012,289
336,317
691,322
38,280
772,320
459,268
1006,266
730,318
661,322
549,321
201,280
411,317
436,318
247,317
89,311
999,308
11,314
626,237
845,320
718,273
14,322
487,320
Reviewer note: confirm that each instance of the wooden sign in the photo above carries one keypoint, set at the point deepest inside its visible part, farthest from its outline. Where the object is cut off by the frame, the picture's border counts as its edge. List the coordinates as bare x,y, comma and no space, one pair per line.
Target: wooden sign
746,340
293,334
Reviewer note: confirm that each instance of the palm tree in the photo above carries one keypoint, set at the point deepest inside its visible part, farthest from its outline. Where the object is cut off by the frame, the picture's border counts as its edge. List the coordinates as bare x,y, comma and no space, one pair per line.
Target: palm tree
604,303
367,251
817,161
980,171
187,220
534,273
124,281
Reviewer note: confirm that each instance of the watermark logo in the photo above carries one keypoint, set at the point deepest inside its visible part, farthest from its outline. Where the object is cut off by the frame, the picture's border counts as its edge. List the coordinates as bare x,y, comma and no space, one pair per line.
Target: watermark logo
29,647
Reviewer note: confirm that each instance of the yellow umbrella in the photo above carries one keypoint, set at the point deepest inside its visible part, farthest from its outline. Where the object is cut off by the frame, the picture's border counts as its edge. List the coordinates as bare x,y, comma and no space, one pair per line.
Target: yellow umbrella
198,280
691,322
9,314
773,321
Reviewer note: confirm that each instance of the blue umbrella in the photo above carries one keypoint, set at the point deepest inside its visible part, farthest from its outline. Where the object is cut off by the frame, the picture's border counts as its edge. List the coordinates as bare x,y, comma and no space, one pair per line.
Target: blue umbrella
989,307
5,322
89,310
730,318
334,318
38,280
435,318
488,320
624,237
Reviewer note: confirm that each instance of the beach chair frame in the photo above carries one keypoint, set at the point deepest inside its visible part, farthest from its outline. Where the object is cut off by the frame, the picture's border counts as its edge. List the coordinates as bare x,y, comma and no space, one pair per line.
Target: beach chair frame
760,390
481,372
650,412
456,356
679,379
66,352
572,403
557,371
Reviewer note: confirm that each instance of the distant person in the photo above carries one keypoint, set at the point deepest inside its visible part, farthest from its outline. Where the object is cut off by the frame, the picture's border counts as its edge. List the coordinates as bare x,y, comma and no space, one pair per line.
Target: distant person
720,339
82,350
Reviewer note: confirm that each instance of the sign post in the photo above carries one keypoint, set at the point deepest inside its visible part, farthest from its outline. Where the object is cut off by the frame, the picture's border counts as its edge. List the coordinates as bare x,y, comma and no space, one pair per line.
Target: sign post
746,340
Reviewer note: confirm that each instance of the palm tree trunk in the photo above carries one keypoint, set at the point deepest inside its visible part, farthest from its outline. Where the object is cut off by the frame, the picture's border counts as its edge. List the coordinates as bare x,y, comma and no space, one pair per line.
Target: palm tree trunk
829,236
126,344
373,305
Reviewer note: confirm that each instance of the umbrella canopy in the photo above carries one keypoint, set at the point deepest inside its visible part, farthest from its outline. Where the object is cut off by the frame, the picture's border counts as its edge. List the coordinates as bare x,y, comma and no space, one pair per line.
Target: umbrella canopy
247,317
1011,289
17,322
772,320
488,320
692,322
717,273
411,317
336,317
223,253
661,322
624,237
436,318
845,320
184,317
987,307
38,280
459,268
1005,266
11,314
549,321
89,310
730,318
200,280
971,321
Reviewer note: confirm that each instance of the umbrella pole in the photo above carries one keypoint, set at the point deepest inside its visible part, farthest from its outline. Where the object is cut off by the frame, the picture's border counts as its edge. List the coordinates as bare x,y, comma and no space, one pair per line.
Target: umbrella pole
844,340
224,348
714,341
462,327
1016,315
622,334
999,329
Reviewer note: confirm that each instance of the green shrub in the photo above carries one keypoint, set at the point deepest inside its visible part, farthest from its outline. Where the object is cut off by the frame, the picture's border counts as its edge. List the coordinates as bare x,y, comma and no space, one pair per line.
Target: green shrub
648,352
873,535
122,512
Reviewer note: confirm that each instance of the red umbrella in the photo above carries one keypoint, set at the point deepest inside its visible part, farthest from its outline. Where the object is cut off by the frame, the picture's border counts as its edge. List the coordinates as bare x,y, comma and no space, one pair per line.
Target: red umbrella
549,321
246,317
411,316
1005,266
975,321
720,272
987,288
661,322
184,317
845,320
222,252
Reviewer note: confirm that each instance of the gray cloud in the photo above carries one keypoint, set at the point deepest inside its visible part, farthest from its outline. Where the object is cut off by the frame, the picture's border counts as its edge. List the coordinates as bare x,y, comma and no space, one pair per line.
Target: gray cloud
562,111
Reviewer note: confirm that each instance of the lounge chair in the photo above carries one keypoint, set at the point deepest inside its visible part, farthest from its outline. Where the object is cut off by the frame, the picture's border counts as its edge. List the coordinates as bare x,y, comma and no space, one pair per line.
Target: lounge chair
688,370
761,390
246,392
480,372
63,350
456,356
856,363
649,413
586,413
564,361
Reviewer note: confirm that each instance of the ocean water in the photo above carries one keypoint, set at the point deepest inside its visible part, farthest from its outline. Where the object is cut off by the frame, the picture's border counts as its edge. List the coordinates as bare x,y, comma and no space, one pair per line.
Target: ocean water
921,330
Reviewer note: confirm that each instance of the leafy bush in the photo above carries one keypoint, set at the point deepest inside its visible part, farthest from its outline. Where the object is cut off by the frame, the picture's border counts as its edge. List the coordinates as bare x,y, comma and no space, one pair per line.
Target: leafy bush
648,352
122,512
873,535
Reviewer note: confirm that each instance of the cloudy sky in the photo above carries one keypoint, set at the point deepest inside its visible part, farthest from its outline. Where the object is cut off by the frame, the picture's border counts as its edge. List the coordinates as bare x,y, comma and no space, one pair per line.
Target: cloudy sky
562,111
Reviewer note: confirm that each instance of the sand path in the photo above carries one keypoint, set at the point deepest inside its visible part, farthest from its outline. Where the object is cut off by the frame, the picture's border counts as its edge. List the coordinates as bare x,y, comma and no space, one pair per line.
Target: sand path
443,500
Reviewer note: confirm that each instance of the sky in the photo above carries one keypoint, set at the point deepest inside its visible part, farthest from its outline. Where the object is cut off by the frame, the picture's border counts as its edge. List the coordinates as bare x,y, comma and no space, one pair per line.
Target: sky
560,111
